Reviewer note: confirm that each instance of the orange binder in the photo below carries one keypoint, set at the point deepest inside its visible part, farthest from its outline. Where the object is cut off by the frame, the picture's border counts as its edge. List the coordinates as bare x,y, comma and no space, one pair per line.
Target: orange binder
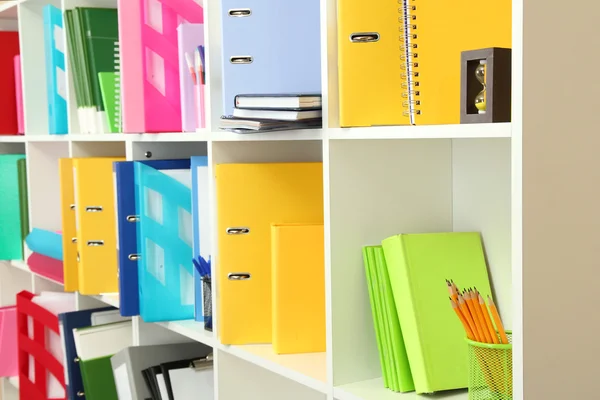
250,198
298,284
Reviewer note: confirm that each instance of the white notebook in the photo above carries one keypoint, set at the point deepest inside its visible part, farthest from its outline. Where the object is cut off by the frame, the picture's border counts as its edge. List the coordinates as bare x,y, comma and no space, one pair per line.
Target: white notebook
102,340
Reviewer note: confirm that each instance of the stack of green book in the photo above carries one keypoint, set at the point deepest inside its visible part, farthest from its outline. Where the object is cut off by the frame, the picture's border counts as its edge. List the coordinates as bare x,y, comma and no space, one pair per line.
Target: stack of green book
92,38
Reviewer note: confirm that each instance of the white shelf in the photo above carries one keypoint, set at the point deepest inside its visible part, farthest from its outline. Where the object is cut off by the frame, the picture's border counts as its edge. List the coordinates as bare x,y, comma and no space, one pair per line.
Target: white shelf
112,299
373,389
298,134
13,381
191,329
8,9
22,265
458,131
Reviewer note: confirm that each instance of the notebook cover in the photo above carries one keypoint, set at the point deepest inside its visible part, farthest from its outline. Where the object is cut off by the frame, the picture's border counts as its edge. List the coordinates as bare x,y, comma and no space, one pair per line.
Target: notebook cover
417,265
370,73
45,242
75,72
245,305
165,238
19,95
84,70
201,220
8,342
94,187
190,36
445,29
150,62
129,299
98,380
298,285
276,35
11,243
56,81
108,89
23,199
8,105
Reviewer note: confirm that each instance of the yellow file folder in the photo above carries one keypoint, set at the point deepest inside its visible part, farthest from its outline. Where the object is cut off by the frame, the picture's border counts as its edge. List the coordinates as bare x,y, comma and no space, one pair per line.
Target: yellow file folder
69,231
250,198
96,225
298,285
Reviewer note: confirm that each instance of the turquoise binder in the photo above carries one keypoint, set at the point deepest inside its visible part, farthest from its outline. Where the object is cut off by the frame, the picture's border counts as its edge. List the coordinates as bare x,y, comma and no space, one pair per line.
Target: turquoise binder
11,242
165,237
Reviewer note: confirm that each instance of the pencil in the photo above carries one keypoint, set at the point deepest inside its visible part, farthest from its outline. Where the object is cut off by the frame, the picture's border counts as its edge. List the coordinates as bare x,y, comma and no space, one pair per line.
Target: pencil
456,289
488,321
462,319
188,60
497,321
199,66
451,291
468,317
474,314
480,317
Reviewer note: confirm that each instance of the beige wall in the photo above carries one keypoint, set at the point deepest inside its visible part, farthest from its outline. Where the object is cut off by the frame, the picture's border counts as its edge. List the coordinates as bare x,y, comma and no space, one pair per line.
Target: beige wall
561,190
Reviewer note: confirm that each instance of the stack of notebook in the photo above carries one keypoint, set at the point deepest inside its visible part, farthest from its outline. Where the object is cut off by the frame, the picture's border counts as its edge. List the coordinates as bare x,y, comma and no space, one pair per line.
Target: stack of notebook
421,347
92,39
270,112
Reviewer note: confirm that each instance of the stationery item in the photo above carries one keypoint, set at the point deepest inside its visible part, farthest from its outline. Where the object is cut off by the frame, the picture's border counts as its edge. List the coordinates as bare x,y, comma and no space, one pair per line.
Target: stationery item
77,74
110,99
416,264
150,377
165,237
127,225
96,225
270,66
281,115
462,319
8,342
245,125
488,321
19,95
74,320
11,242
497,321
272,192
56,81
95,346
199,90
187,378
23,197
129,363
69,225
8,106
202,242
46,243
189,36
298,288
46,266
468,317
149,62
278,101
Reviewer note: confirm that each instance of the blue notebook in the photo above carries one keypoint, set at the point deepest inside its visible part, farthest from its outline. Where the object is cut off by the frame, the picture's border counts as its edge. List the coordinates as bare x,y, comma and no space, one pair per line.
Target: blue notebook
201,220
270,47
127,225
74,320
56,86
165,239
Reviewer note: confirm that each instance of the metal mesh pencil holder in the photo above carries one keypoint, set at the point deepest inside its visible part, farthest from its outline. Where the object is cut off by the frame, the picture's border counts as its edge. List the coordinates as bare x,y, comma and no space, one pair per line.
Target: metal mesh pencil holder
490,370
207,303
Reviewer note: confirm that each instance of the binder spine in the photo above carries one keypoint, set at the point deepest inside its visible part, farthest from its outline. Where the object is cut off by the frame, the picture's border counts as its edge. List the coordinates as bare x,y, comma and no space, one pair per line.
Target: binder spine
118,107
409,55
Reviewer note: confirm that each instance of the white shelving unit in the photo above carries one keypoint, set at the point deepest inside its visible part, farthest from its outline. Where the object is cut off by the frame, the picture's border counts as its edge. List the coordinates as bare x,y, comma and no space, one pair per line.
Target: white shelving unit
378,182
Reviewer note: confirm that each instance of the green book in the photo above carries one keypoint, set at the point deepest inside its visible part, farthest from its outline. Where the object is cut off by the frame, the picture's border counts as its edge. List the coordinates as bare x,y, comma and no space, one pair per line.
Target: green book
81,58
23,202
418,266
11,241
74,59
98,379
110,99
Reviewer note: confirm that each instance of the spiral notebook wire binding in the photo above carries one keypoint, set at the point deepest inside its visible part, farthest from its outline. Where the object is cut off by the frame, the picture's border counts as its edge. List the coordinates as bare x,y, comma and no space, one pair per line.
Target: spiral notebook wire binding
409,58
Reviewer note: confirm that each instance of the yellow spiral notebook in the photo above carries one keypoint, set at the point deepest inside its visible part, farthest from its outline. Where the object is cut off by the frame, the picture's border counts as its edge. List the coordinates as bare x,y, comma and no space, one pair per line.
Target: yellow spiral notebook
399,62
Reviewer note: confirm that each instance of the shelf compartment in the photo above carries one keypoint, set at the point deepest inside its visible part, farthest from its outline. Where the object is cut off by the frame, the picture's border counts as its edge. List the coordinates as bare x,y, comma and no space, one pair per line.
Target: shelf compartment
373,389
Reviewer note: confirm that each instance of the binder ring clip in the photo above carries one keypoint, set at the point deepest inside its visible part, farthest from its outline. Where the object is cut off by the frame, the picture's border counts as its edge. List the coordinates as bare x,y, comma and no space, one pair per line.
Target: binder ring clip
239,276
95,243
72,207
133,218
94,209
134,257
74,240
364,37
80,394
241,60
238,231
240,12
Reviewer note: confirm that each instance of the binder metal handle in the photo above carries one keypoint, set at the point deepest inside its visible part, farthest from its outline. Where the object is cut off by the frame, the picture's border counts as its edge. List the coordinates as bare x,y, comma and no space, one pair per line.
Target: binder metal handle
364,37
238,230
239,276
241,60
95,243
80,394
134,257
72,207
240,12
133,218
94,209
74,240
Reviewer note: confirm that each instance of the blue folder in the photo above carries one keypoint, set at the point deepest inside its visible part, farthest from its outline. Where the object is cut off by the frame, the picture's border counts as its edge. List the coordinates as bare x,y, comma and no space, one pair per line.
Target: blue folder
283,38
201,220
127,226
68,322
54,48
165,268
46,243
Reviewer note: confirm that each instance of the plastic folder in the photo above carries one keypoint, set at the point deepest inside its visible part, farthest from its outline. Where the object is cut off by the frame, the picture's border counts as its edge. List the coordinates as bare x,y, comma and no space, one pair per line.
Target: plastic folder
46,243
11,243
190,36
150,62
164,240
8,341
56,81
96,225
263,41
8,105
19,95
201,221
298,284
127,224
251,197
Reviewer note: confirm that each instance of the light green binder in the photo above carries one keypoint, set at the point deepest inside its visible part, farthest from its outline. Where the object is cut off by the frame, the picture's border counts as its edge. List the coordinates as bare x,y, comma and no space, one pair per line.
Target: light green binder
11,242
110,99
418,265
